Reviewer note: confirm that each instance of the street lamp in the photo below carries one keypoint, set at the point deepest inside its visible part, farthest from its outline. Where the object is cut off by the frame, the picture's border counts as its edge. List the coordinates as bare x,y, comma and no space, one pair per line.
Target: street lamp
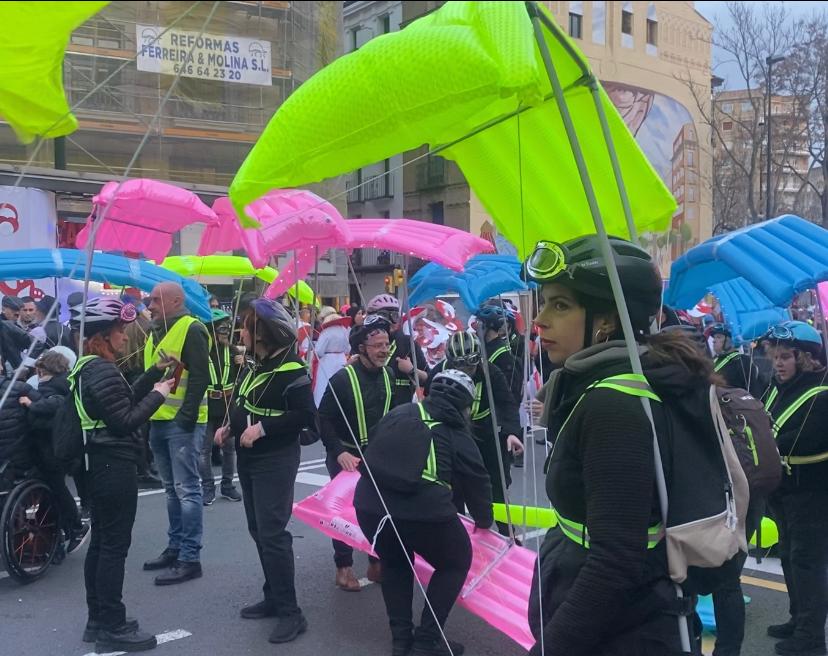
770,61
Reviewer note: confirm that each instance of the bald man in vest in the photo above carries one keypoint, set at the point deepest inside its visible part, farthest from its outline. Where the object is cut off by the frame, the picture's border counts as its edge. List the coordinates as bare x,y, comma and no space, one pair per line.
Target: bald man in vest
177,429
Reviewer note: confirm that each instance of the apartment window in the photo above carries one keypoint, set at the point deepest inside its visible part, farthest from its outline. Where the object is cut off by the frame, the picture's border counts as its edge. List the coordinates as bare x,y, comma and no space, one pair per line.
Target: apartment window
386,23
727,126
727,108
691,158
354,39
576,20
576,26
652,32
747,106
691,194
599,22
627,25
437,217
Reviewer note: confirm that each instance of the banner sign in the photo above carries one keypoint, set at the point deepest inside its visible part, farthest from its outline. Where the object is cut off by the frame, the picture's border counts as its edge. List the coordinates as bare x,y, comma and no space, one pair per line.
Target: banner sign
204,56
28,219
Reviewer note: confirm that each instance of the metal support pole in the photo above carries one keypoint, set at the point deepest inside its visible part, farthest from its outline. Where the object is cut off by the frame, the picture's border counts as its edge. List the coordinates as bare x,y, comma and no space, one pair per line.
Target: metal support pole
484,362
612,271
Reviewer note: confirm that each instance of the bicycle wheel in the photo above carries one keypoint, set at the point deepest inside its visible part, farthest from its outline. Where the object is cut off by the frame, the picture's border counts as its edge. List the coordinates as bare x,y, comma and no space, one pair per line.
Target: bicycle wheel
30,525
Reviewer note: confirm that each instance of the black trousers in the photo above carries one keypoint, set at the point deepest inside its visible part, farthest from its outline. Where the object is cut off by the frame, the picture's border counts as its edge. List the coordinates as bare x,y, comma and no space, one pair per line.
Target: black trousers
343,553
444,545
113,495
729,602
267,481
803,548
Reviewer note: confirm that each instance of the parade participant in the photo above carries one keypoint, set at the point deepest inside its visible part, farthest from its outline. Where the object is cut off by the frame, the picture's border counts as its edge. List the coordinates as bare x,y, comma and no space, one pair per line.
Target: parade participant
110,414
798,404
421,452
463,354
494,319
604,588
14,340
357,397
225,362
11,308
56,333
330,353
357,314
27,313
272,405
399,355
15,454
53,387
214,302
177,429
737,369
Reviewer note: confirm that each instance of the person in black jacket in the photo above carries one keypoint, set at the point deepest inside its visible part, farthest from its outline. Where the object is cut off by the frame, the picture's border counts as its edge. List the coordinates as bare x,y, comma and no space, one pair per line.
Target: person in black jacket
271,406
13,339
798,404
110,414
15,454
225,362
53,387
357,397
603,586
738,369
494,318
54,333
463,353
419,454
404,367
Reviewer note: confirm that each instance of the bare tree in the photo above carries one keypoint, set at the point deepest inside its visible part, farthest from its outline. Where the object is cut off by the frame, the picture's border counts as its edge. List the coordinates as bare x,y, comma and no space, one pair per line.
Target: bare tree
752,33
804,76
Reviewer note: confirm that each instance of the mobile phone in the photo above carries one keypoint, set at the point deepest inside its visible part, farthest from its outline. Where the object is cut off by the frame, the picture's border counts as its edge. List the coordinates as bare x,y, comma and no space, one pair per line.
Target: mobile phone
174,373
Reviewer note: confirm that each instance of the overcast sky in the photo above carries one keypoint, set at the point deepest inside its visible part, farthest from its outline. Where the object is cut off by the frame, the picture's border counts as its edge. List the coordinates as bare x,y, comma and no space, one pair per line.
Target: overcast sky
716,13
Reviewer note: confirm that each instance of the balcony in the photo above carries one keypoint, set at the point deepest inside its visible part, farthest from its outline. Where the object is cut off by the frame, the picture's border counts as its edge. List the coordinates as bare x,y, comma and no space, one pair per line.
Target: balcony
376,259
432,173
374,188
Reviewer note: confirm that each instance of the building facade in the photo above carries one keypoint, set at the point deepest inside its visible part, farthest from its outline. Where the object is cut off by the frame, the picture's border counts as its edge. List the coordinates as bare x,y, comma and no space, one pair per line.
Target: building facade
643,52
238,62
740,157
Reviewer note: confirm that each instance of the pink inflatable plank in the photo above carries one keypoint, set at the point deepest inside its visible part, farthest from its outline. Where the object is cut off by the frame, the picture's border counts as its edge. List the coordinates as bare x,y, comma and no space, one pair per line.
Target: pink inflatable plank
442,244
141,215
292,272
226,234
499,581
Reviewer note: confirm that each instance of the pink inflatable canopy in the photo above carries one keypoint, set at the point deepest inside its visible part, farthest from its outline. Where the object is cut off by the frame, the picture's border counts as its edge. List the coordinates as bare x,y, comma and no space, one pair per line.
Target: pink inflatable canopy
225,234
141,216
499,581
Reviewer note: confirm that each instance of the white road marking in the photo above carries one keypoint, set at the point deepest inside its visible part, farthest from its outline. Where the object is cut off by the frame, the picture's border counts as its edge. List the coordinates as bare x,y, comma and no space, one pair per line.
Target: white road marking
317,480
168,636
768,565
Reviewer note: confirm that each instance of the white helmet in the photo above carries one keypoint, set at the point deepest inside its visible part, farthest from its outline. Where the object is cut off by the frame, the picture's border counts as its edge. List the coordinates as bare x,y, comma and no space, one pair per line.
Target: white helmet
383,302
456,386
100,313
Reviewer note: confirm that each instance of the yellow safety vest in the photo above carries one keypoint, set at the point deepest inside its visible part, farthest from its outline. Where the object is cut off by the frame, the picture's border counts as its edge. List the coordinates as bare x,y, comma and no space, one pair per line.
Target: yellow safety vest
173,344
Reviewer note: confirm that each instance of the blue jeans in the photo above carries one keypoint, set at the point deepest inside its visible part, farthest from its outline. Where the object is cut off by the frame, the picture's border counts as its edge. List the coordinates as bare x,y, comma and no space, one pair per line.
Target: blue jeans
176,454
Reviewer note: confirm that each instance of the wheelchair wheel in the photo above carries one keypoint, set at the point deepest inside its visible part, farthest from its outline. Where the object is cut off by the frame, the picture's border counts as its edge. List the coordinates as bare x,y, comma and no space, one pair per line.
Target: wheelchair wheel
30,526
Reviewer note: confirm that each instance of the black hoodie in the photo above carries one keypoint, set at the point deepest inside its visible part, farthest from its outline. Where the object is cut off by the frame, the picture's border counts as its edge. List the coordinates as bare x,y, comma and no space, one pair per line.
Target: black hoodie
603,469
398,449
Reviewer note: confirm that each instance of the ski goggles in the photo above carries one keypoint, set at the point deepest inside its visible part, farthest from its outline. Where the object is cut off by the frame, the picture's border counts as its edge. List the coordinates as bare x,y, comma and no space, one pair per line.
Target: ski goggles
547,261
470,360
223,329
782,333
391,316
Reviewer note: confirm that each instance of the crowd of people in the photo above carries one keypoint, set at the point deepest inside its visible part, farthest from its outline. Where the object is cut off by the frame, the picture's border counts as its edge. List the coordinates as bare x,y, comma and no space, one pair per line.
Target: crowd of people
155,390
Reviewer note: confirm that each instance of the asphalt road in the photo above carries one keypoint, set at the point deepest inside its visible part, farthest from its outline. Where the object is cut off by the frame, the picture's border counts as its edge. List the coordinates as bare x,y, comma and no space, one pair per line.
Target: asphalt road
201,617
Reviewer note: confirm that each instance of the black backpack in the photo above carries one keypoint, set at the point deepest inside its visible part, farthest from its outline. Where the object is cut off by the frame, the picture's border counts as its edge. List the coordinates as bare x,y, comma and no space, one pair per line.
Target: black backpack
68,441
752,435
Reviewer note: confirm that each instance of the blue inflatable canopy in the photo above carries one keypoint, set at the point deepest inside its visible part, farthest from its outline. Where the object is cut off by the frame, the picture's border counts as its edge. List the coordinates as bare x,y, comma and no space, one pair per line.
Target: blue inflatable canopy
747,311
483,277
781,258
112,269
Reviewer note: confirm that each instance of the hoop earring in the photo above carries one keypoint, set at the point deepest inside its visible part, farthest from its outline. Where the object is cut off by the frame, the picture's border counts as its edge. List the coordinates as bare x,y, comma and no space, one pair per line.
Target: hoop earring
595,339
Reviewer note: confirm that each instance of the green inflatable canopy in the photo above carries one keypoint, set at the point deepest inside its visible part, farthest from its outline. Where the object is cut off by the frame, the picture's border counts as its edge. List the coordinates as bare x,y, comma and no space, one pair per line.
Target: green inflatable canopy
468,79
35,35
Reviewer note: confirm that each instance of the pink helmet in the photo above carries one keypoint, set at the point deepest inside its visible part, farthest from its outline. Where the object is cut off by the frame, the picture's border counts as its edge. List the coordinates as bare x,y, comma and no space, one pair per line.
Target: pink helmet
383,302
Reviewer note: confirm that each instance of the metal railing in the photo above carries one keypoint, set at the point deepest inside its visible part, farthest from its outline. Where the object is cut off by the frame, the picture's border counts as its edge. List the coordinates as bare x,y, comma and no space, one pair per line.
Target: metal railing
376,257
432,173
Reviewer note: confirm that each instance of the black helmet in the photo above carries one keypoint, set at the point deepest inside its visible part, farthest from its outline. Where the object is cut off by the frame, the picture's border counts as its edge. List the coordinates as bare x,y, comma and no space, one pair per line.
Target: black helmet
463,348
579,265
373,324
280,326
493,316
454,386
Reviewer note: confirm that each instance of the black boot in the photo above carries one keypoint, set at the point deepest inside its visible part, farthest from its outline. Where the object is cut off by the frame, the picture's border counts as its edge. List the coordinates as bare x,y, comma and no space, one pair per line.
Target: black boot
124,639
436,648
178,573
90,633
287,629
258,611
785,630
167,558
